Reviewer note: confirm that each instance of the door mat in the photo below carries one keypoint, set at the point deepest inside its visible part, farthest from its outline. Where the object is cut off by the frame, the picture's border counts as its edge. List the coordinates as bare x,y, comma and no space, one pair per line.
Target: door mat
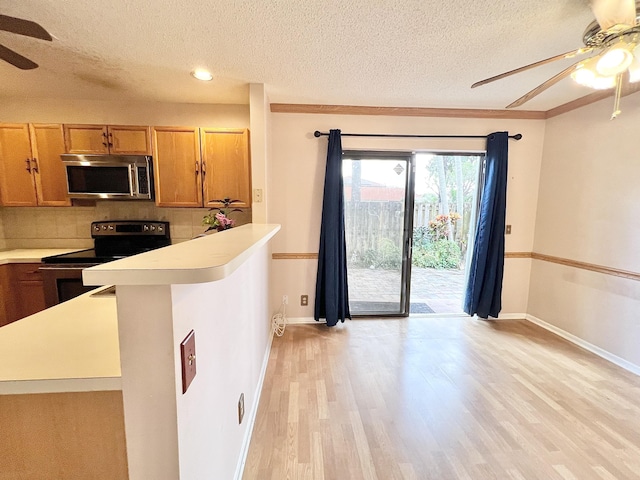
360,308
420,308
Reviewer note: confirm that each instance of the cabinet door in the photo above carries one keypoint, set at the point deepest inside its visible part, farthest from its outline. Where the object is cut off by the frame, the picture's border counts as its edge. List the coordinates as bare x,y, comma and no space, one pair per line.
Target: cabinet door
129,140
176,161
21,292
7,305
16,180
47,143
86,139
29,292
226,166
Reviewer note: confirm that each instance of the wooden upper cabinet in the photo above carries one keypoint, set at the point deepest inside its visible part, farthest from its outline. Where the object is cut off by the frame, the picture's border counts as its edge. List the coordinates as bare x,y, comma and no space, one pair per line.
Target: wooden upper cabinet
47,143
17,187
176,159
86,139
105,139
31,171
226,166
129,140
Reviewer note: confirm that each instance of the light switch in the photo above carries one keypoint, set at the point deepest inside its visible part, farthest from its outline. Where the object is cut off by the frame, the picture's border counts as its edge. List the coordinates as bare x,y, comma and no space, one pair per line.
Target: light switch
188,357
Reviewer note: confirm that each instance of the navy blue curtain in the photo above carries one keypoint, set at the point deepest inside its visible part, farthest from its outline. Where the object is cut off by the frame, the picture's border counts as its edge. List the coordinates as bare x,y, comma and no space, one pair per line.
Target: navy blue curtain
332,295
484,286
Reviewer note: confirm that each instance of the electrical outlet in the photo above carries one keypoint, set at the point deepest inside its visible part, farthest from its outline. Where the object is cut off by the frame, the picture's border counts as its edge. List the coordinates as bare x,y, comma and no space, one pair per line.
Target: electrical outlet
304,300
240,408
257,195
285,299
508,230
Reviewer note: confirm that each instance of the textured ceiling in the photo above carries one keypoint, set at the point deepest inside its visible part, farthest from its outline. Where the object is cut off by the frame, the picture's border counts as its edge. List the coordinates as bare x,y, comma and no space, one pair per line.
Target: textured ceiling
421,53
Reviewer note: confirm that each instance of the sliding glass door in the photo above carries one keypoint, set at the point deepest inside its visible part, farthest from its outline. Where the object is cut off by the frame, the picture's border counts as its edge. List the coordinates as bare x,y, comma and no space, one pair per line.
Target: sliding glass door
378,188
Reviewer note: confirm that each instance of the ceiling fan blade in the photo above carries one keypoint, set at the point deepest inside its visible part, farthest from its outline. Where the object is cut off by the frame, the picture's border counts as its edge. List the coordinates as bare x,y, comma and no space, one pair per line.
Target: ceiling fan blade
23,27
542,87
570,54
16,59
614,12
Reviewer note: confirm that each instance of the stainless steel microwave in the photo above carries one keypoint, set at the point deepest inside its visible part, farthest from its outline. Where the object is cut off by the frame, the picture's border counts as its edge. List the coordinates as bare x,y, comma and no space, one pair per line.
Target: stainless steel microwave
116,177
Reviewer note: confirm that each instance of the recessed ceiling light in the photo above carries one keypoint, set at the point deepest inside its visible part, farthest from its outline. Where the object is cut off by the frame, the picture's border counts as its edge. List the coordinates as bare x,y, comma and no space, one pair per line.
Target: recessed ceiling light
202,75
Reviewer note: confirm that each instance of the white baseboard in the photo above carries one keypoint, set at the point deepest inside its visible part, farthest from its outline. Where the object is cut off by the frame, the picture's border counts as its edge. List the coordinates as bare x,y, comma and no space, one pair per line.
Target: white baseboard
511,316
302,320
506,316
621,362
253,413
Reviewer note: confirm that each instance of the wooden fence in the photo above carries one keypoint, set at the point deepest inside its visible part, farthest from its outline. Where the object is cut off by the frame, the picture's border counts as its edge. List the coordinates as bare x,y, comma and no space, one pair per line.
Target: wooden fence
371,223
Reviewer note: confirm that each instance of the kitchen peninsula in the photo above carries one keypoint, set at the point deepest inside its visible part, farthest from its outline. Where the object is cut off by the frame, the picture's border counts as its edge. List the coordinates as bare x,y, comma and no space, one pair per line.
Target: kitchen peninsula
216,286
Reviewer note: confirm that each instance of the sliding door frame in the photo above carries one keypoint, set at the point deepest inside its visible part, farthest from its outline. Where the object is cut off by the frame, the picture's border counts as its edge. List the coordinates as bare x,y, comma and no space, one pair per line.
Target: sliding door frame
407,232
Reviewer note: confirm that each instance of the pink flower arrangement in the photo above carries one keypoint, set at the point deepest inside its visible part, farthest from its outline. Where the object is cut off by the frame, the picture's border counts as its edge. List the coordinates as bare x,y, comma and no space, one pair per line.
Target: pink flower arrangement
220,221
224,222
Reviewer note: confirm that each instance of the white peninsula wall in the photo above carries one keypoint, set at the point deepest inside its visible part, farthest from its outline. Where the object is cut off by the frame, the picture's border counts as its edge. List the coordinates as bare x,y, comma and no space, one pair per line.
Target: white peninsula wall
217,286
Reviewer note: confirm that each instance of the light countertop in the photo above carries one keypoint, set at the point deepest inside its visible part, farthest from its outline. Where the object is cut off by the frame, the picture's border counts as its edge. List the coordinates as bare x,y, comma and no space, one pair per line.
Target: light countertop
74,346
70,347
31,255
201,260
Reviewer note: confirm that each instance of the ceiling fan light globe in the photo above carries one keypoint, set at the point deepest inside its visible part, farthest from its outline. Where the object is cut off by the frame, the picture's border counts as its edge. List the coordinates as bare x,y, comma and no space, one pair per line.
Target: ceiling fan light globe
583,76
616,60
603,83
634,71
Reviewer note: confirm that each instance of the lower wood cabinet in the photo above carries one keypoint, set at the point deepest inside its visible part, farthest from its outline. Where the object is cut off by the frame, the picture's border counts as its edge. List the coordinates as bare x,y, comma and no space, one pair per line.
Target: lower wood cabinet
21,291
63,435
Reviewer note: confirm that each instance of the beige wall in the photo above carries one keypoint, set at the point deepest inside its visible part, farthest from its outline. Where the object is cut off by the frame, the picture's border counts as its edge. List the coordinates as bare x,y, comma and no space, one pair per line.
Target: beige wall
123,113
587,206
296,177
259,132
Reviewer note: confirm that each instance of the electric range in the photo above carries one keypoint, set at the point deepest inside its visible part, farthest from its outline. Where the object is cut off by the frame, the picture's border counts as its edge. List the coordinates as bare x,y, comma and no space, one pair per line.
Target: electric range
113,239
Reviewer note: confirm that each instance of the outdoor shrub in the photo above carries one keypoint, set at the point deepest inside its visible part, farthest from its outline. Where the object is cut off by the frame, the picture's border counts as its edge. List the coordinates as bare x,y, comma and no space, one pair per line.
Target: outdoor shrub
420,236
387,256
441,254
439,228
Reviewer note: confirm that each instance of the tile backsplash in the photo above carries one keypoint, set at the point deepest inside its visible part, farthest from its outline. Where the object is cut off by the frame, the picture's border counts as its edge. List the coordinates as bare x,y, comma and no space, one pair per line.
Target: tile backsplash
69,227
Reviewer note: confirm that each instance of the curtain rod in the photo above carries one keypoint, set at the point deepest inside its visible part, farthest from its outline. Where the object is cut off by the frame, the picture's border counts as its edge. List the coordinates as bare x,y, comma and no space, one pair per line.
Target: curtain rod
318,133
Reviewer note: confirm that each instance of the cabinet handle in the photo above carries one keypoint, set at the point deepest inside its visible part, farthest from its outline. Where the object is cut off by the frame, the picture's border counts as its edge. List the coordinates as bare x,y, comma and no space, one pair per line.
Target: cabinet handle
197,169
28,165
204,168
35,165
104,135
110,139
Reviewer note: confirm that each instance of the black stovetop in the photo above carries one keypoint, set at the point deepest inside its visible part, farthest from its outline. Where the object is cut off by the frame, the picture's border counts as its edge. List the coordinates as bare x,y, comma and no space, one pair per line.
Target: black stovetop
117,239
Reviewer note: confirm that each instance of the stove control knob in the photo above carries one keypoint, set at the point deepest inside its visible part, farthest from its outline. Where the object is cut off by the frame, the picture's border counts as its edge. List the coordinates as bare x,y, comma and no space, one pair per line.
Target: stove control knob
153,228
160,229
110,227
145,228
104,227
96,228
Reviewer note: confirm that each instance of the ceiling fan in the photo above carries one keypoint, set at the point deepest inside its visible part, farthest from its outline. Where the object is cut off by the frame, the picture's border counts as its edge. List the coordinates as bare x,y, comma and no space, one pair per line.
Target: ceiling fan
21,27
614,39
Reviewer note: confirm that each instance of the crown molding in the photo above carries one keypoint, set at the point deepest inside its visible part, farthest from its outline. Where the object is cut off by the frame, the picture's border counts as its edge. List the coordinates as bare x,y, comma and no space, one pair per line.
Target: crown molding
406,111
627,89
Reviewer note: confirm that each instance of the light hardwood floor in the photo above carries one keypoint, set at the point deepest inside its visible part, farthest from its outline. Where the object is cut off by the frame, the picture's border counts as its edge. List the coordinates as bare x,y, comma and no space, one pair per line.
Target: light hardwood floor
442,398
